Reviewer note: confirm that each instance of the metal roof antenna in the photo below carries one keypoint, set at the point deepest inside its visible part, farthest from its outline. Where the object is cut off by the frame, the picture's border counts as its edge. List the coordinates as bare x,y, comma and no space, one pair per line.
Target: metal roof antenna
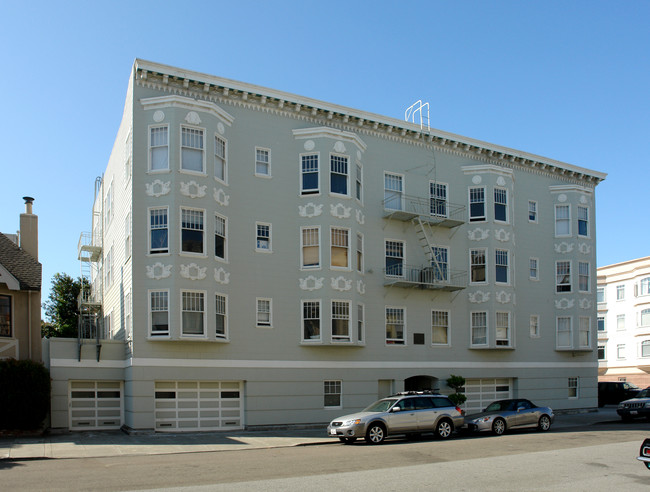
418,107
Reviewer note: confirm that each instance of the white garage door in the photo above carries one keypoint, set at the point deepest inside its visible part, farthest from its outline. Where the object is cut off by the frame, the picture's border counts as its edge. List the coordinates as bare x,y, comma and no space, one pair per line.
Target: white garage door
481,392
95,405
198,405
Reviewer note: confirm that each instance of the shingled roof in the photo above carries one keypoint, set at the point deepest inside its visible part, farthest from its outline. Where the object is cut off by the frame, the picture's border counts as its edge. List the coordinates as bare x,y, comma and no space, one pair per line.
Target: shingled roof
20,264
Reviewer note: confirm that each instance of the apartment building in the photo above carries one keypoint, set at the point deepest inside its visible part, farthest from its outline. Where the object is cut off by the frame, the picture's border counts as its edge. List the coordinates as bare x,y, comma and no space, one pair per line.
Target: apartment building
624,322
259,258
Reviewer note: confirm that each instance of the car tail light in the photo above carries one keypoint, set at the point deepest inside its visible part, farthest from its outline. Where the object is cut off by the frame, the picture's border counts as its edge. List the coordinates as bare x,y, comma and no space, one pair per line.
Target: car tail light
645,451
460,410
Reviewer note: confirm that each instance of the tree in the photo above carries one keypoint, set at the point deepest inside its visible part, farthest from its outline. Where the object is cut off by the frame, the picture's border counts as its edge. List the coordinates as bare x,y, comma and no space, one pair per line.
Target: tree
61,308
457,383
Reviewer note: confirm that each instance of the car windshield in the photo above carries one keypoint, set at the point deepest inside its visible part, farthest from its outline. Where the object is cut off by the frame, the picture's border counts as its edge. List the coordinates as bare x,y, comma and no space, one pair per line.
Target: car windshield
643,393
380,406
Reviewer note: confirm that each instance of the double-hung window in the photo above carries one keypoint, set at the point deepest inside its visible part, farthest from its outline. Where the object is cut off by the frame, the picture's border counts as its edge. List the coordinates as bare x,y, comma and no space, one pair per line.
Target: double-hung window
332,394
479,328
394,258
583,276
393,191
5,316
159,312
340,321
439,327
532,211
440,263
359,252
359,183
220,230
395,326
644,287
158,231
159,148
309,183
221,312
263,237
600,323
311,320
502,329
584,332
645,348
534,326
564,332
501,262
620,322
477,204
562,220
339,174
644,319
620,292
602,354
500,205
477,266
193,313
108,267
192,145
573,387
563,276
437,199
533,268
600,294
583,221
310,247
340,246
263,162
620,351
263,316
220,160
192,231
360,322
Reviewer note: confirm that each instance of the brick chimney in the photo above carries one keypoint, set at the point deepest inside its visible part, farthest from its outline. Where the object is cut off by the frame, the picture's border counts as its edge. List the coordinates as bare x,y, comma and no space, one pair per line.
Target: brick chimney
29,229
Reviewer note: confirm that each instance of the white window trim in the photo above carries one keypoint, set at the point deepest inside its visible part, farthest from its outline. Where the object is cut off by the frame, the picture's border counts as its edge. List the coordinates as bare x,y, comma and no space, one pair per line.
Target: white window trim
347,176
570,284
359,169
150,333
362,268
226,335
485,266
536,221
225,249
204,335
340,382
557,332
588,290
394,342
204,253
318,175
302,245
506,205
508,271
538,324
386,240
568,219
180,151
509,343
361,337
257,321
469,204
487,330
577,388
302,321
157,171
589,336
431,197
351,326
588,235
530,277
621,348
348,267
270,248
448,344
225,159
401,193
12,313
268,175
149,245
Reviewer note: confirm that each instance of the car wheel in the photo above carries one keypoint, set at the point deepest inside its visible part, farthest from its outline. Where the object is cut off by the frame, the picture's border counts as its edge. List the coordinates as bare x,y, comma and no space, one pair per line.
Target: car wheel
544,423
347,440
375,434
444,429
499,426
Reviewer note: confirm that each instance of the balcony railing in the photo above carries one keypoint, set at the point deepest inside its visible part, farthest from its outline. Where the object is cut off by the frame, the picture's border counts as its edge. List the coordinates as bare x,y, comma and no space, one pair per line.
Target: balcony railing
425,277
437,212
88,248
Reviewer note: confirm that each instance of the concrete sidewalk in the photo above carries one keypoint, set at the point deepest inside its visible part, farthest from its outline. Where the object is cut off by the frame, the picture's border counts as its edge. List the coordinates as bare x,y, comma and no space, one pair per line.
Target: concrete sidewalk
117,443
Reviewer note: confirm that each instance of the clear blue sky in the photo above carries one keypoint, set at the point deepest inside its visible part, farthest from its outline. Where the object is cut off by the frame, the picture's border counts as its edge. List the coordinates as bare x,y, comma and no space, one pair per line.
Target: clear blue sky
569,80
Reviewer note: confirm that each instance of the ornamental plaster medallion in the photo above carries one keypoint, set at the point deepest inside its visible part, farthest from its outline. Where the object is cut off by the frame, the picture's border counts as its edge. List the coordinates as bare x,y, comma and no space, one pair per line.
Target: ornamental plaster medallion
564,248
340,283
309,145
583,199
311,283
193,118
503,297
221,276
584,248
564,304
220,197
193,189
361,219
502,235
477,179
478,234
340,211
310,210
158,116
339,147
358,155
220,128
158,188
585,304
193,271
561,198
478,297
158,271
361,287
501,181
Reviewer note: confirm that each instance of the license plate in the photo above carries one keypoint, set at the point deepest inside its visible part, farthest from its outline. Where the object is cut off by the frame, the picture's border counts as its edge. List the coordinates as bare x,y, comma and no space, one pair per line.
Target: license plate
633,412
333,432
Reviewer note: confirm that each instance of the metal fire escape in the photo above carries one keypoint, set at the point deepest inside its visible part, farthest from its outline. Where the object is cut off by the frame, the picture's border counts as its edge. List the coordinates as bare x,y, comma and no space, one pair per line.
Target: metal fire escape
90,322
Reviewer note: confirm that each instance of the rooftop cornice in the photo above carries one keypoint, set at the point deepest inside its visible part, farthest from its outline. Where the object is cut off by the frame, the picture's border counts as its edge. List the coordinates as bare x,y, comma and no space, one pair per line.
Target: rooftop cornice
204,85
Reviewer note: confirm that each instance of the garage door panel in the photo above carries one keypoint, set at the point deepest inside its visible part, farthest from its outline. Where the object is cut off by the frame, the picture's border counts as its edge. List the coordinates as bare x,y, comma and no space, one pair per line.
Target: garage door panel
95,405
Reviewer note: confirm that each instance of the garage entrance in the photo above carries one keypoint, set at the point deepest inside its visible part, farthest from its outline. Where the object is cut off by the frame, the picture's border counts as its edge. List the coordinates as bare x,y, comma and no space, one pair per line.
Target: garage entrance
420,383
482,392
95,405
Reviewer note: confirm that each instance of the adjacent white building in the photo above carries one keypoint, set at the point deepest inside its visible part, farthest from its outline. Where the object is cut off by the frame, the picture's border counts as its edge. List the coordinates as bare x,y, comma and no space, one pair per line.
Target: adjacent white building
260,258
624,322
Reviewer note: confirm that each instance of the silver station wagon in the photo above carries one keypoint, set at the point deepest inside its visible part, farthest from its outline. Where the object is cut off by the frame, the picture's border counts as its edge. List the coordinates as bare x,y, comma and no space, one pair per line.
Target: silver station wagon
404,413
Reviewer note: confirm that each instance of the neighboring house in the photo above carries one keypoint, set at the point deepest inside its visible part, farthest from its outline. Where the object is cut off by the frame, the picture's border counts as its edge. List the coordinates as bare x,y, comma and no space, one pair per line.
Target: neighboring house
20,290
259,258
624,322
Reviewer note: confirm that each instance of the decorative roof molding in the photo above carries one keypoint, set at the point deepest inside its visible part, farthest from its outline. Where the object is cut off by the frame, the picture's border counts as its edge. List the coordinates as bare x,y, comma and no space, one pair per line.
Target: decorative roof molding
176,101
226,91
488,168
327,132
570,189
7,278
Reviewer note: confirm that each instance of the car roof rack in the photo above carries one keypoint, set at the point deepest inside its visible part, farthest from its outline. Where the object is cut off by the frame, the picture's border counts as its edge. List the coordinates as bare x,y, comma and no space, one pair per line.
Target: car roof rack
421,392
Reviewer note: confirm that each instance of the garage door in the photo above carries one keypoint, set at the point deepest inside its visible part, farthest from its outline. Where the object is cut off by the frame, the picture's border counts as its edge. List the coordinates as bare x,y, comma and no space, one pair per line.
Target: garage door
184,406
481,392
95,405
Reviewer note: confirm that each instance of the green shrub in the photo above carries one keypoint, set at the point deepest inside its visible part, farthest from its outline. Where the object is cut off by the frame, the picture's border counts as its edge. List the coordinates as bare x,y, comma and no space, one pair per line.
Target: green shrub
457,383
24,394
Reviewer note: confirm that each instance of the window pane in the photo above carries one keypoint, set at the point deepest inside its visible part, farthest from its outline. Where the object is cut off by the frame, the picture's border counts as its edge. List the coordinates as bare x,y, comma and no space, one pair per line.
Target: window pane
311,320
339,174
192,231
5,316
